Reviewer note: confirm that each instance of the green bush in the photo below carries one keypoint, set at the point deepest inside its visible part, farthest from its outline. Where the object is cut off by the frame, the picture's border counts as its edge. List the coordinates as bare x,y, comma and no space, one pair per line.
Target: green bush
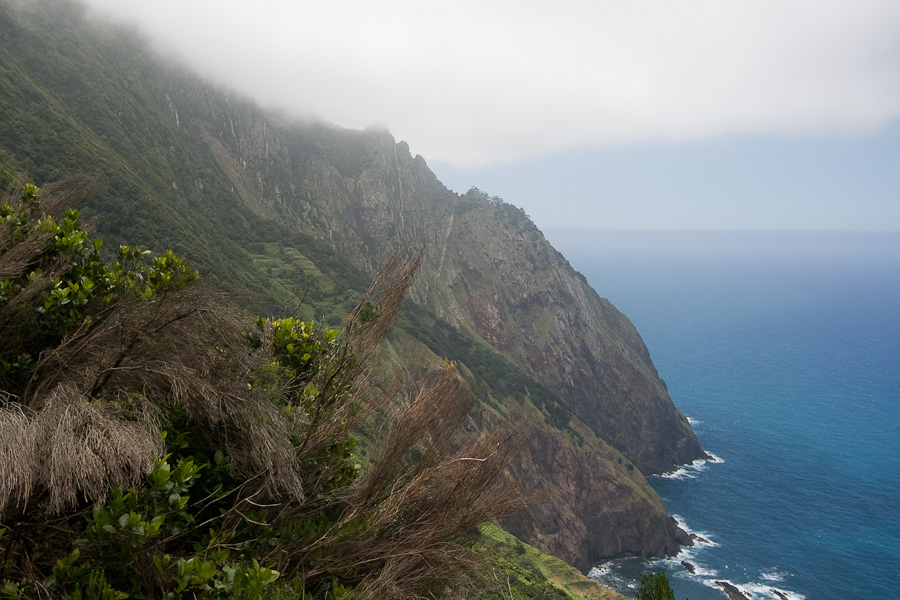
654,586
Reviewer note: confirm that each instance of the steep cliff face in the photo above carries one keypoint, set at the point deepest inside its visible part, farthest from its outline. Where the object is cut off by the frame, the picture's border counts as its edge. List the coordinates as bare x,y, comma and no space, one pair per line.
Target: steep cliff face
600,506
489,270
209,174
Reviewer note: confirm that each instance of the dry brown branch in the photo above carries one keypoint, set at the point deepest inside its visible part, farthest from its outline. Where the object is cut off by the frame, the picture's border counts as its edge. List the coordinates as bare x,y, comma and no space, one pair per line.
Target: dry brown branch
421,498
14,262
347,392
189,350
70,446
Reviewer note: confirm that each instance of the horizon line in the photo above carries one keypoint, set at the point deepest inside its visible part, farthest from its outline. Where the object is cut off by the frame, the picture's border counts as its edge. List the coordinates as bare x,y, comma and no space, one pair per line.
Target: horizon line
716,230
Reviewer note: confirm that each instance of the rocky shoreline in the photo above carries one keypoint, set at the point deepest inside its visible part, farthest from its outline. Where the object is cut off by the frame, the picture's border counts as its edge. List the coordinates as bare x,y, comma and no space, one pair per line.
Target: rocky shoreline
700,540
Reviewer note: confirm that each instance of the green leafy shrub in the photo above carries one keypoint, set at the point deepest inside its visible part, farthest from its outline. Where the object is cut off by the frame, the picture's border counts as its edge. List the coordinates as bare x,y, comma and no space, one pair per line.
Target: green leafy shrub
654,586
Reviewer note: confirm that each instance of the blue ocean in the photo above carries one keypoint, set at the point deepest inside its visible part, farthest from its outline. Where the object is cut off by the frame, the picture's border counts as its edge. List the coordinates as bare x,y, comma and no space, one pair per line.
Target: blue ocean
783,350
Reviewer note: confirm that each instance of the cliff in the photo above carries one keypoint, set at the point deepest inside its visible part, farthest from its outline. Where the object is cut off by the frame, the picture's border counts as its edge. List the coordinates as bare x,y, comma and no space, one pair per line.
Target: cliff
270,207
489,272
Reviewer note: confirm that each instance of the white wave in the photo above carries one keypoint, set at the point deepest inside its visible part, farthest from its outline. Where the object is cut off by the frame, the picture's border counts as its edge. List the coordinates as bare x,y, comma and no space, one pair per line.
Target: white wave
687,471
774,574
605,571
755,590
687,555
692,470
762,590
714,458
601,571
693,422
606,575
701,538
712,583
702,571
682,523
680,473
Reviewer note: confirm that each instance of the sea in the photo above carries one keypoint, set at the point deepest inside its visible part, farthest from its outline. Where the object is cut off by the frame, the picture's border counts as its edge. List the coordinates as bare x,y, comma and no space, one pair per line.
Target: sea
783,350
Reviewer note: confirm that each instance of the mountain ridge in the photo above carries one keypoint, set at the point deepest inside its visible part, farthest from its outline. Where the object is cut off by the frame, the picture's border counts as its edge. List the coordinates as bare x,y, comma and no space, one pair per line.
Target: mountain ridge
269,206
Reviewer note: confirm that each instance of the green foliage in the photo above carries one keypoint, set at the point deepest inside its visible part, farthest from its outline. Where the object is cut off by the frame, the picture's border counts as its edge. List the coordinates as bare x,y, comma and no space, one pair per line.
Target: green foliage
302,354
128,533
654,586
65,285
511,569
298,348
129,537
165,273
143,538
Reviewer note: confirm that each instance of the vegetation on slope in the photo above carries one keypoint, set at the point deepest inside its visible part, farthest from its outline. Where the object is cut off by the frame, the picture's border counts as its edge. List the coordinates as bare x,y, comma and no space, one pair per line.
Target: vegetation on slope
91,99
156,443
519,571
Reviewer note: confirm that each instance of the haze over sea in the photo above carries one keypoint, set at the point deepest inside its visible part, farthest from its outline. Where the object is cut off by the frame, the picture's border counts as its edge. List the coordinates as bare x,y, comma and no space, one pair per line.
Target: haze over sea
784,351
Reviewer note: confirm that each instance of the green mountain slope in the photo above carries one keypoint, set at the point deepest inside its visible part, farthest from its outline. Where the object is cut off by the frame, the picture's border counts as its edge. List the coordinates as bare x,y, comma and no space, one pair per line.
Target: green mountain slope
278,211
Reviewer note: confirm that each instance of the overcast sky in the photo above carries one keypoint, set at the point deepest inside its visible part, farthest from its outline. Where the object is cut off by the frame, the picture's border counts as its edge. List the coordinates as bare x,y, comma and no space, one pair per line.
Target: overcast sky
754,114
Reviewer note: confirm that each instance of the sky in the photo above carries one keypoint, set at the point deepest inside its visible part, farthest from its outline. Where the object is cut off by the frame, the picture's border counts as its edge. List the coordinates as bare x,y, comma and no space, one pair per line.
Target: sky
646,114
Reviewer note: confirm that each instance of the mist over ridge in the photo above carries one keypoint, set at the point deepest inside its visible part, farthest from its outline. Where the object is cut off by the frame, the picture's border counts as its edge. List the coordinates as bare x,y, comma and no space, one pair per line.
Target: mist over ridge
746,115
491,82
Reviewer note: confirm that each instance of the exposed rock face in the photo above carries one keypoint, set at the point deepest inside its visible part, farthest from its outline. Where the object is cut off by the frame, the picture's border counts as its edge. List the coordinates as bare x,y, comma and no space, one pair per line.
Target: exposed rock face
491,274
732,592
489,270
594,512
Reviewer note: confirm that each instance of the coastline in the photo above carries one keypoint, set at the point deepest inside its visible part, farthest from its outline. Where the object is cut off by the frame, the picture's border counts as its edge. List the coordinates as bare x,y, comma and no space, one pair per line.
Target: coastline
621,574
787,364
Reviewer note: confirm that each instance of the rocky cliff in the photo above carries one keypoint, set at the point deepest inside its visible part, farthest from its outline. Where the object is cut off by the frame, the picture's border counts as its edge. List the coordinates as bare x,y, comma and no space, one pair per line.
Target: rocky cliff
487,270
214,176
489,273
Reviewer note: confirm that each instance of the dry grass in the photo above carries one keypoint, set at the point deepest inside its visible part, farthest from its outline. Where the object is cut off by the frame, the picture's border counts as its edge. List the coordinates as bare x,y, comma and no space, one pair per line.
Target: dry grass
70,447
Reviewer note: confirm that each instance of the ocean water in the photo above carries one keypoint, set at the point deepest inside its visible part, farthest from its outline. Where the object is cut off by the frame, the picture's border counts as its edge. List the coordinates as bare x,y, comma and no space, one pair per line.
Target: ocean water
783,350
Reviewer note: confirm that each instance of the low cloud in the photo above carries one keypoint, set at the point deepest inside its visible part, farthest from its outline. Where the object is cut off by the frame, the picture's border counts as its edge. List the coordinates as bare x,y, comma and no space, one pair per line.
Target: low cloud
474,82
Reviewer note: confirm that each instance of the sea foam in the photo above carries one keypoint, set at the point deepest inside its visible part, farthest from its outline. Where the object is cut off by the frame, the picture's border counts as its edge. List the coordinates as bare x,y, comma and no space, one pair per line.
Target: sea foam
692,470
755,590
701,538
